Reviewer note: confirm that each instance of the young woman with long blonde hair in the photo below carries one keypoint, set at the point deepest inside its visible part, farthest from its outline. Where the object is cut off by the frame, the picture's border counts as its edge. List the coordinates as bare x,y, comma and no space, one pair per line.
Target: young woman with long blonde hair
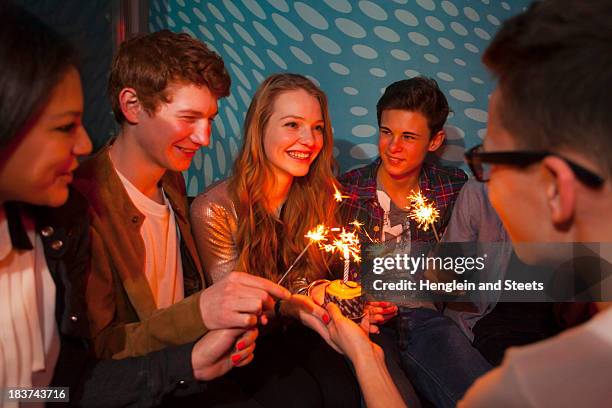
282,185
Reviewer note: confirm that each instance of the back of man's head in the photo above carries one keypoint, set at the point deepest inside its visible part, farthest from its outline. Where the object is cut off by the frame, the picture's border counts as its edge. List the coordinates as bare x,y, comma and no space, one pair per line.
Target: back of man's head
419,94
149,63
554,65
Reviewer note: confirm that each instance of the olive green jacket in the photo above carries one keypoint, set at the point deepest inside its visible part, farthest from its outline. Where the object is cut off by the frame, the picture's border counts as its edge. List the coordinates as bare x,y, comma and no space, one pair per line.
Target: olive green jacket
124,319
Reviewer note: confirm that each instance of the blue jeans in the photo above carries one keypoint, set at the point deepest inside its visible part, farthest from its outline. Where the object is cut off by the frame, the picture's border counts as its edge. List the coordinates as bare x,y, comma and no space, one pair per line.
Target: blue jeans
438,358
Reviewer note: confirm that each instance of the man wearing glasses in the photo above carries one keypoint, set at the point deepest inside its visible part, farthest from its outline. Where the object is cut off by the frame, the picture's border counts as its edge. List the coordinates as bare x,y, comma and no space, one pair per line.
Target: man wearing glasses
547,158
549,155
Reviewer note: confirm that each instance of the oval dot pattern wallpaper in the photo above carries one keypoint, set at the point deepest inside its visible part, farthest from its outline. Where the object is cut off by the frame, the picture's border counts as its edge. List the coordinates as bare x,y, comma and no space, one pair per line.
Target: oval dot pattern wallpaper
353,50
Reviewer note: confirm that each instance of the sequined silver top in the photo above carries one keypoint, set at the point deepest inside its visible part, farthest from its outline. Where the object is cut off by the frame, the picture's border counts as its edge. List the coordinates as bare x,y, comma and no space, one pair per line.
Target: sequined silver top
215,224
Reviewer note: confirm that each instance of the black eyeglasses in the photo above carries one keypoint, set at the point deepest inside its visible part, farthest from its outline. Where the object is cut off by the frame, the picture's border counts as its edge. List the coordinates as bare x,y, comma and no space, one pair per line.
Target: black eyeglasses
479,160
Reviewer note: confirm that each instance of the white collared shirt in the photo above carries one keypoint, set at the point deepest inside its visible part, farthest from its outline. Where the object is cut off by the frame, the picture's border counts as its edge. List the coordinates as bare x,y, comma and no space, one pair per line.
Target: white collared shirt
29,337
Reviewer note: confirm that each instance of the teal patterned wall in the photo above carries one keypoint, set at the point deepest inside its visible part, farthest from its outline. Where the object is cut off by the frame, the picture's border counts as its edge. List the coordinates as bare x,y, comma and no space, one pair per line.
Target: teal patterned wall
353,50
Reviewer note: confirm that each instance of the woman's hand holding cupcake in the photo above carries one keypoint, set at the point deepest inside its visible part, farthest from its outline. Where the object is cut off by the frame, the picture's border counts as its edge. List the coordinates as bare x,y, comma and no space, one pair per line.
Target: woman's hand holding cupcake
304,309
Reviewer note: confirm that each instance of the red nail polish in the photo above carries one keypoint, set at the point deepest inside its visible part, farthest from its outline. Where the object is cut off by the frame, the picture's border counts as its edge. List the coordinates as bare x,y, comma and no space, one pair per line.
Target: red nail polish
326,319
235,358
240,345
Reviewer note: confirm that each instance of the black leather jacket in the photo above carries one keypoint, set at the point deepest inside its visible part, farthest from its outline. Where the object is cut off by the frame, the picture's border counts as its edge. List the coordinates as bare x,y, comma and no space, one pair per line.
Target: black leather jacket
139,381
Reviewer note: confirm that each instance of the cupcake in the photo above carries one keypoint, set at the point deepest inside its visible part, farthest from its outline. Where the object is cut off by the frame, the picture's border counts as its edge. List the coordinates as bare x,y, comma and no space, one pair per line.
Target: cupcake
347,296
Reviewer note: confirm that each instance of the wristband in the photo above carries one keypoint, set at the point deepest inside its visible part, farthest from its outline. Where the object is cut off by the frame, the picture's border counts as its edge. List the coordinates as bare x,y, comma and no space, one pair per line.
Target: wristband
315,283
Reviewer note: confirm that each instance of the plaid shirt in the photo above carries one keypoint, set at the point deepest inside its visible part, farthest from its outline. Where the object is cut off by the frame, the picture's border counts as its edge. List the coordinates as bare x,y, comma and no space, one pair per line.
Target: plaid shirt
440,185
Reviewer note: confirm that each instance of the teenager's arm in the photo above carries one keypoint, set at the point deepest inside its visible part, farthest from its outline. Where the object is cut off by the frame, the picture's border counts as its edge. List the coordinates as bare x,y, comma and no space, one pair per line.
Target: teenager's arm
213,222
174,371
465,216
138,381
376,383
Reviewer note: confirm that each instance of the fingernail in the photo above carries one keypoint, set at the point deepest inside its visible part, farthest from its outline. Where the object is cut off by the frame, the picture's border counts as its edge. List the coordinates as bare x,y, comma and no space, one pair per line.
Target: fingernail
240,345
235,358
326,319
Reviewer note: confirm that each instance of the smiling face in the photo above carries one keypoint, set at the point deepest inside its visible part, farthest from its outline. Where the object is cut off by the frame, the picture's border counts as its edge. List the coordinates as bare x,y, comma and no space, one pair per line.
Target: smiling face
404,142
173,134
40,162
293,136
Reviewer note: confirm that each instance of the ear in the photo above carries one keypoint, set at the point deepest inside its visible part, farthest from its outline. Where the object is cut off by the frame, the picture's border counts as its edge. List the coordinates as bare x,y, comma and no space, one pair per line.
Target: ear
560,191
436,141
130,105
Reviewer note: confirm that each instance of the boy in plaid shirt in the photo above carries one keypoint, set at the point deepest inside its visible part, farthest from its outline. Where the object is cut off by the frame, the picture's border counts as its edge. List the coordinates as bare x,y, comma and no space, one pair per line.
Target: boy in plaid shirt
434,353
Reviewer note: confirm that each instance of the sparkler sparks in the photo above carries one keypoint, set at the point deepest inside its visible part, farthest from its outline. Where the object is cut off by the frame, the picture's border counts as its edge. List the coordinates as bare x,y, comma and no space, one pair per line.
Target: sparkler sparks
338,196
423,212
332,240
317,234
358,226
347,243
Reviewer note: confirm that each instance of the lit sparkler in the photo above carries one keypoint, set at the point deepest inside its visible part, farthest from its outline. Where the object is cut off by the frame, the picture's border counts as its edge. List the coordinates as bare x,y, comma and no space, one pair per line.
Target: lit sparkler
423,212
347,243
337,195
318,234
358,226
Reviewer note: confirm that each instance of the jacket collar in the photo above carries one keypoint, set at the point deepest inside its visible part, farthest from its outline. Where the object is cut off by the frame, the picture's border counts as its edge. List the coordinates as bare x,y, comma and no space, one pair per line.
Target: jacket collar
118,221
111,194
17,231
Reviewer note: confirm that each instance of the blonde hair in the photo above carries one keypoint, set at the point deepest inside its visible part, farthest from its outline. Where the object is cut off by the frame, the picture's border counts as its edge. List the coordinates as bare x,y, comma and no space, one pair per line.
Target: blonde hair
266,246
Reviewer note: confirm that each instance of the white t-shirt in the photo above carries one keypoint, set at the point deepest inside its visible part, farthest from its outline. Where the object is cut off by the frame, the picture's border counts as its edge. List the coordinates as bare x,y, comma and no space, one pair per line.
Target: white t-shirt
163,266
29,336
573,369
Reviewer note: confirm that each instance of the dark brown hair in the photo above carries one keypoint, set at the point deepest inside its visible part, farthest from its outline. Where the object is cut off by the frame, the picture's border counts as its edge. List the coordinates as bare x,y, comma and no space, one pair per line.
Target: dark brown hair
419,94
33,59
554,65
150,62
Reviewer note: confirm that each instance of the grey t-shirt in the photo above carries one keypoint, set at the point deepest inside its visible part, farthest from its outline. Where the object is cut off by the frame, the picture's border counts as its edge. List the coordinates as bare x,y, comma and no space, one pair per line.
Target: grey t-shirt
396,224
396,235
